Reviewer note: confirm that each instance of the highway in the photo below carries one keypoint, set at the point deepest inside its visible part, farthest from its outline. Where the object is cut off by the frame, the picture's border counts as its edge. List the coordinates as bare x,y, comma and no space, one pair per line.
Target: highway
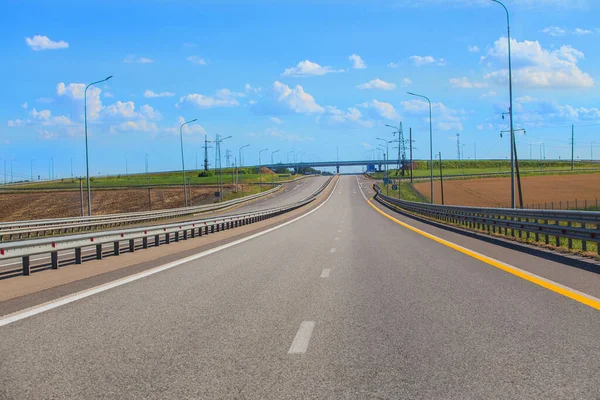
340,302
291,192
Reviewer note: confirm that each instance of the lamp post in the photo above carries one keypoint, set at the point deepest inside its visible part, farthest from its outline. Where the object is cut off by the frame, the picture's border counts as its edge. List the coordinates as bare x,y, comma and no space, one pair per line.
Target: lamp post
182,159
241,165
87,161
386,157
510,110
288,156
218,148
72,158
273,152
11,170
259,167
430,143
32,170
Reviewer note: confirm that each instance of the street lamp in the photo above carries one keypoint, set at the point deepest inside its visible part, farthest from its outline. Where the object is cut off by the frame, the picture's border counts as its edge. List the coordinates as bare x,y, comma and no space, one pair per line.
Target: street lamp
72,158
288,155
259,167
272,163
510,110
218,149
182,159
32,169
386,157
87,161
11,170
430,142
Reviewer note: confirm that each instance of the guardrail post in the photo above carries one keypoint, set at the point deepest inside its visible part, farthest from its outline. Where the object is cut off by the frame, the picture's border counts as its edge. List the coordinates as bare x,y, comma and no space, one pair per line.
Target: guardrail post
177,236
145,242
54,259
212,229
78,255
98,252
131,245
569,240
200,231
117,248
167,238
184,234
156,240
193,232
26,267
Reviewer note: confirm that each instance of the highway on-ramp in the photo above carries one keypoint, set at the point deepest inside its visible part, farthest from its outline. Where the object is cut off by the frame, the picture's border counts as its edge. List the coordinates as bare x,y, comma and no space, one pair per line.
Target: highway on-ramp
342,302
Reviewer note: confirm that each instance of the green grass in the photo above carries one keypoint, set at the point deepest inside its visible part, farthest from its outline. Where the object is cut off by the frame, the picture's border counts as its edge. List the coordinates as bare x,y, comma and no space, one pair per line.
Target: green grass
163,178
407,192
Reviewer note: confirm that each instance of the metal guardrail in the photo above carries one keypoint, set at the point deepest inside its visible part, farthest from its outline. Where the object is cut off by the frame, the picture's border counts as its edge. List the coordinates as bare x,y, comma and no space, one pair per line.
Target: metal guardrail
561,228
157,235
36,228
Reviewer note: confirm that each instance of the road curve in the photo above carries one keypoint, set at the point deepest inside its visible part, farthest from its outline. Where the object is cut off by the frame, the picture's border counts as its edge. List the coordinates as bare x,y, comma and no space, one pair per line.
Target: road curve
343,303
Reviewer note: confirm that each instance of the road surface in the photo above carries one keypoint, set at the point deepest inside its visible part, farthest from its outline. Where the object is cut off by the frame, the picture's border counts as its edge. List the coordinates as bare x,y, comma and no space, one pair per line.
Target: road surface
341,303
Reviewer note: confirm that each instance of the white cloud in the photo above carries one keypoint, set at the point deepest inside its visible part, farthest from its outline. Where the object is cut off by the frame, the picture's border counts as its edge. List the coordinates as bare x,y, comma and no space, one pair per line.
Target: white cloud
425,60
39,42
445,118
554,31
196,60
126,110
134,126
491,93
377,84
465,83
473,49
380,110
249,89
16,123
25,105
43,115
393,65
45,134
108,95
151,94
308,68
538,112
558,31
282,135
537,67
276,120
337,119
45,100
189,129
133,59
223,98
357,62
295,99
581,32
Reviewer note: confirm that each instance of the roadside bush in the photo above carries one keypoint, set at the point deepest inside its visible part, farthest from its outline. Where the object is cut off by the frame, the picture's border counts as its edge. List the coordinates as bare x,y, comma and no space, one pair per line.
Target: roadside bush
205,174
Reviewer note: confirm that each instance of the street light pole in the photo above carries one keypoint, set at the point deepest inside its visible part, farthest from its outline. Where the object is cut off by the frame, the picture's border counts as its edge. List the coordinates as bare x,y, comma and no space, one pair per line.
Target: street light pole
259,167
182,160
430,143
385,158
32,169
87,161
241,165
218,142
273,152
512,132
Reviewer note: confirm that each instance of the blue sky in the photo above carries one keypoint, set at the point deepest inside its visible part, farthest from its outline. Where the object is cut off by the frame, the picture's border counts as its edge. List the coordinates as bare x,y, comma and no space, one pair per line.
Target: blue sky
290,75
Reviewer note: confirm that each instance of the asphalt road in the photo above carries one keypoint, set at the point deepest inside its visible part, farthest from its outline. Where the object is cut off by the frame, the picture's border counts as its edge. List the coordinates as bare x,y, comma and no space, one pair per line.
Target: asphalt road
343,303
290,193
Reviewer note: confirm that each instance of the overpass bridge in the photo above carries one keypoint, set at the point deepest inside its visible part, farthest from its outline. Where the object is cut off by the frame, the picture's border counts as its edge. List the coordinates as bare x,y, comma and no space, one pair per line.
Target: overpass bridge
336,164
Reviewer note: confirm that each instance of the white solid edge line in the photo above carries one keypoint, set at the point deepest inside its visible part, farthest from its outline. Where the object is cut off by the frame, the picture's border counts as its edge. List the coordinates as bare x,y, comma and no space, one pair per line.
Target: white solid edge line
300,343
325,273
19,315
589,296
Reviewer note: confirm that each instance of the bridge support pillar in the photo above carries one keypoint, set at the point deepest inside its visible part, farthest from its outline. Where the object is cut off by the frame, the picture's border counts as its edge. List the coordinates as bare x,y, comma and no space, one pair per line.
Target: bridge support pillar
337,167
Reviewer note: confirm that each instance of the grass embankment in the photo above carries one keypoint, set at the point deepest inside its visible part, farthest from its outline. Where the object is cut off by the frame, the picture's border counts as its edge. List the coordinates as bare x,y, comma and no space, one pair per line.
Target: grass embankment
453,167
156,179
248,190
407,192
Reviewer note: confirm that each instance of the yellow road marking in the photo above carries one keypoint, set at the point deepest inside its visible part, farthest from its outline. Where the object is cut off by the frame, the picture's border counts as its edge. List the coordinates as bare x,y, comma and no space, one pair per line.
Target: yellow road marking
538,280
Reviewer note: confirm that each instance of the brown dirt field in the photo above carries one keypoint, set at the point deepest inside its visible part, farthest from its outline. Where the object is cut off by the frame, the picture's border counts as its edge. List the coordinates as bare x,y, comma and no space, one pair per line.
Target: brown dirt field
17,206
495,192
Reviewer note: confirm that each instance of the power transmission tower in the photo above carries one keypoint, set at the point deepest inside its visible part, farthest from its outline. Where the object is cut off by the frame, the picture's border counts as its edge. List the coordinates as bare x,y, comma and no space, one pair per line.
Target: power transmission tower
227,158
458,145
206,147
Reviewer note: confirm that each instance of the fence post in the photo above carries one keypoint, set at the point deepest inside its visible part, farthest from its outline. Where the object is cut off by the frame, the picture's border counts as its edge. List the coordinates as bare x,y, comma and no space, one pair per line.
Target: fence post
78,255
26,268
54,259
